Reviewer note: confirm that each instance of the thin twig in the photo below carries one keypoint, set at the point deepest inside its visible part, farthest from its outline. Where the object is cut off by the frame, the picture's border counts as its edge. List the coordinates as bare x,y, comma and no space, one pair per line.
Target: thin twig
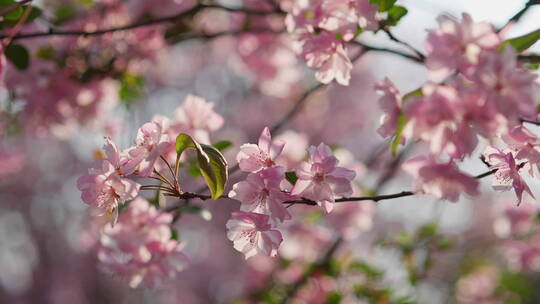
520,13
146,23
419,54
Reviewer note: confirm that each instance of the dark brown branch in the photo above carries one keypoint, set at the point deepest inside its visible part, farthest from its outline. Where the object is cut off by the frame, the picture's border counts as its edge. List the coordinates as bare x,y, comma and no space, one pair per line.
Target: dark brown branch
521,13
533,58
390,51
419,54
146,23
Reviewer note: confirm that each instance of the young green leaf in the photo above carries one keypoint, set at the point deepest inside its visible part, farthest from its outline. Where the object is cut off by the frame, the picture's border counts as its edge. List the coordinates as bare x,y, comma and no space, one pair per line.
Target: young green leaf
291,177
211,162
521,43
18,55
402,121
395,14
222,145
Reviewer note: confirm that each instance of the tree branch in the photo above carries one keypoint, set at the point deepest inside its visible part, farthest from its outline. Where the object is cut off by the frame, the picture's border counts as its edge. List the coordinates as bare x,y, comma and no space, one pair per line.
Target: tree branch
390,51
195,9
520,13
419,54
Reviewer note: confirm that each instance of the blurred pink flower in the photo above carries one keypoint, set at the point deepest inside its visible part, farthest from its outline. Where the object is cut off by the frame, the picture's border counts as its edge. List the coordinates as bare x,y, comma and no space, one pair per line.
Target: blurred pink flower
457,45
139,247
442,180
507,175
511,90
253,234
103,188
197,118
253,158
321,179
390,103
261,193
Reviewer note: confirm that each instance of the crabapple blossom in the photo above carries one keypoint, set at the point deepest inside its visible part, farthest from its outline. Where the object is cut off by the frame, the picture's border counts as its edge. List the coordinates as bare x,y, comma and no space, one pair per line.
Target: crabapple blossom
103,188
261,193
197,118
139,247
526,146
321,179
457,45
507,175
252,234
253,158
151,143
390,102
511,89
442,180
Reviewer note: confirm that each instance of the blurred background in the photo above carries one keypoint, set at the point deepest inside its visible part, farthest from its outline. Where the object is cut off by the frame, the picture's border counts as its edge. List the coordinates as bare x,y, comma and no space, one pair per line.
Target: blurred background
53,123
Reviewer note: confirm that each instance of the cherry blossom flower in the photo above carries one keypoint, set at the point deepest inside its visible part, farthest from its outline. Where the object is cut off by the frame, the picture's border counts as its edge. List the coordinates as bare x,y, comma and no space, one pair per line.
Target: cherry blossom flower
261,193
526,146
119,160
442,180
507,175
139,247
253,158
197,118
103,188
511,90
390,103
457,45
321,179
151,142
253,234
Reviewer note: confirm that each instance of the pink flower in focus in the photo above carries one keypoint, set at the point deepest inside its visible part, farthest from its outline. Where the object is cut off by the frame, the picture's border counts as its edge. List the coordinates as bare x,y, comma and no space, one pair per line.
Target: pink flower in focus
390,103
261,193
105,189
253,158
507,175
151,144
526,146
442,180
457,45
321,179
252,234
139,247
121,161
197,118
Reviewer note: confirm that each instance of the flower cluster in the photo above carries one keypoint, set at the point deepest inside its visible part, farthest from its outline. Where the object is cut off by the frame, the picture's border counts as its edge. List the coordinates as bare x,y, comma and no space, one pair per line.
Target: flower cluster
322,29
482,91
139,247
265,191
138,244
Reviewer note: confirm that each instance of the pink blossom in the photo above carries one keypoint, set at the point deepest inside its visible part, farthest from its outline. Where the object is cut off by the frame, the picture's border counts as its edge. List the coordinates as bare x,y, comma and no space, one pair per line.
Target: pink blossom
507,175
151,144
253,158
321,179
253,234
103,188
457,45
329,57
526,146
390,103
512,221
121,161
442,180
511,89
261,193
139,247
197,118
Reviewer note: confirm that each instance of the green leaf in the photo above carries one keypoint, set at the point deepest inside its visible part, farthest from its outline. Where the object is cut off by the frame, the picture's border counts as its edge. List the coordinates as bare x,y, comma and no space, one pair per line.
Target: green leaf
334,297
401,123
521,43
131,87
211,162
18,56
14,14
395,14
416,93
291,177
384,5
222,145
